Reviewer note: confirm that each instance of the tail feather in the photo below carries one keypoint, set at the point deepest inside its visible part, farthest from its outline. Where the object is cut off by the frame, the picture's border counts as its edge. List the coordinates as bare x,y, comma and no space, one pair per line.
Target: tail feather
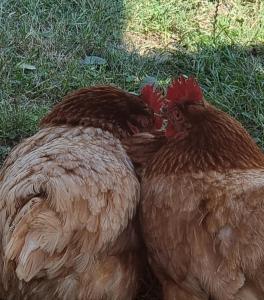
36,235
30,265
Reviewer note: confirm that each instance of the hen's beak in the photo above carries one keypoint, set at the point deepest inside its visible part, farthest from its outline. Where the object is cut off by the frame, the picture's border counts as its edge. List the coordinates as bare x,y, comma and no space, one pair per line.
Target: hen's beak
164,125
164,121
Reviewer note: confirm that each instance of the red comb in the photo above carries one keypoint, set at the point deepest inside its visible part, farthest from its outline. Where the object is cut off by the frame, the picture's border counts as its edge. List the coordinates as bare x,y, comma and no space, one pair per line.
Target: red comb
152,98
184,90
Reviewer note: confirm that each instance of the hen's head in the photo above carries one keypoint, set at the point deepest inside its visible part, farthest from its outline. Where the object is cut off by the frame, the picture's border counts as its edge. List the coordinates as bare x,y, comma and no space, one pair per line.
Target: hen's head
205,136
104,107
183,96
185,104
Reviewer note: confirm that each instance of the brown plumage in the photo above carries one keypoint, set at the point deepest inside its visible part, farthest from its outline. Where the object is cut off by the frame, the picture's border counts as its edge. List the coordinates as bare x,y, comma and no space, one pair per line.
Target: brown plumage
68,197
202,210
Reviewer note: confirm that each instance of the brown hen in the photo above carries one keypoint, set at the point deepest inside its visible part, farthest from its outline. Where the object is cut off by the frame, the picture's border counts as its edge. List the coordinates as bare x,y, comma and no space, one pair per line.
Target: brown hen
202,208
68,197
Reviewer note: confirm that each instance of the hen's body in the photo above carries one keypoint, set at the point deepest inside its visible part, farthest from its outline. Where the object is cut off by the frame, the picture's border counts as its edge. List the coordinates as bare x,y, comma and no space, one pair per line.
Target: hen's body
68,196
205,232
63,213
202,211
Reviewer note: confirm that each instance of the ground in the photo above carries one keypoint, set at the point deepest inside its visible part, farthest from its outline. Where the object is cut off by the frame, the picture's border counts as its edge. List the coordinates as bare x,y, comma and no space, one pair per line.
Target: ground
43,45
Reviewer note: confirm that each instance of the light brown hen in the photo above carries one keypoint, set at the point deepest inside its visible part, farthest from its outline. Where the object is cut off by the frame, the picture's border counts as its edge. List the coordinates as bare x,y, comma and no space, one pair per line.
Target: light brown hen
68,196
202,208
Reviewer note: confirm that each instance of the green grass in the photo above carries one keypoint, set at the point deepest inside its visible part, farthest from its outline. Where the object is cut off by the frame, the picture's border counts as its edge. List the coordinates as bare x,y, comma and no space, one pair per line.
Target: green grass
138,38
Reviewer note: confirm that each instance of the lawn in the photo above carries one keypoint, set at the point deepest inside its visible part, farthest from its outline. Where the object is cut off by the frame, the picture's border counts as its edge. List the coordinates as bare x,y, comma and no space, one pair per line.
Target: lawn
46,49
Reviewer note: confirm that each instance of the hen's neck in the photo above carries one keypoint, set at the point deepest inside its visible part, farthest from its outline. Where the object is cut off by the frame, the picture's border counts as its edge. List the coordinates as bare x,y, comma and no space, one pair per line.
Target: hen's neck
220,145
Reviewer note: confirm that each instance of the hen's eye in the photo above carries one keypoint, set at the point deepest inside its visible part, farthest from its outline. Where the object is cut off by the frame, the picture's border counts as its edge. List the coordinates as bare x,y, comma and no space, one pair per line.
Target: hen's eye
163,109
177,115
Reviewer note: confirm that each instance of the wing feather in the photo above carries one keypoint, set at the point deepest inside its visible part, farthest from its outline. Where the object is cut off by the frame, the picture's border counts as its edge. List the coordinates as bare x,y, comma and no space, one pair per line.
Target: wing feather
66,195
